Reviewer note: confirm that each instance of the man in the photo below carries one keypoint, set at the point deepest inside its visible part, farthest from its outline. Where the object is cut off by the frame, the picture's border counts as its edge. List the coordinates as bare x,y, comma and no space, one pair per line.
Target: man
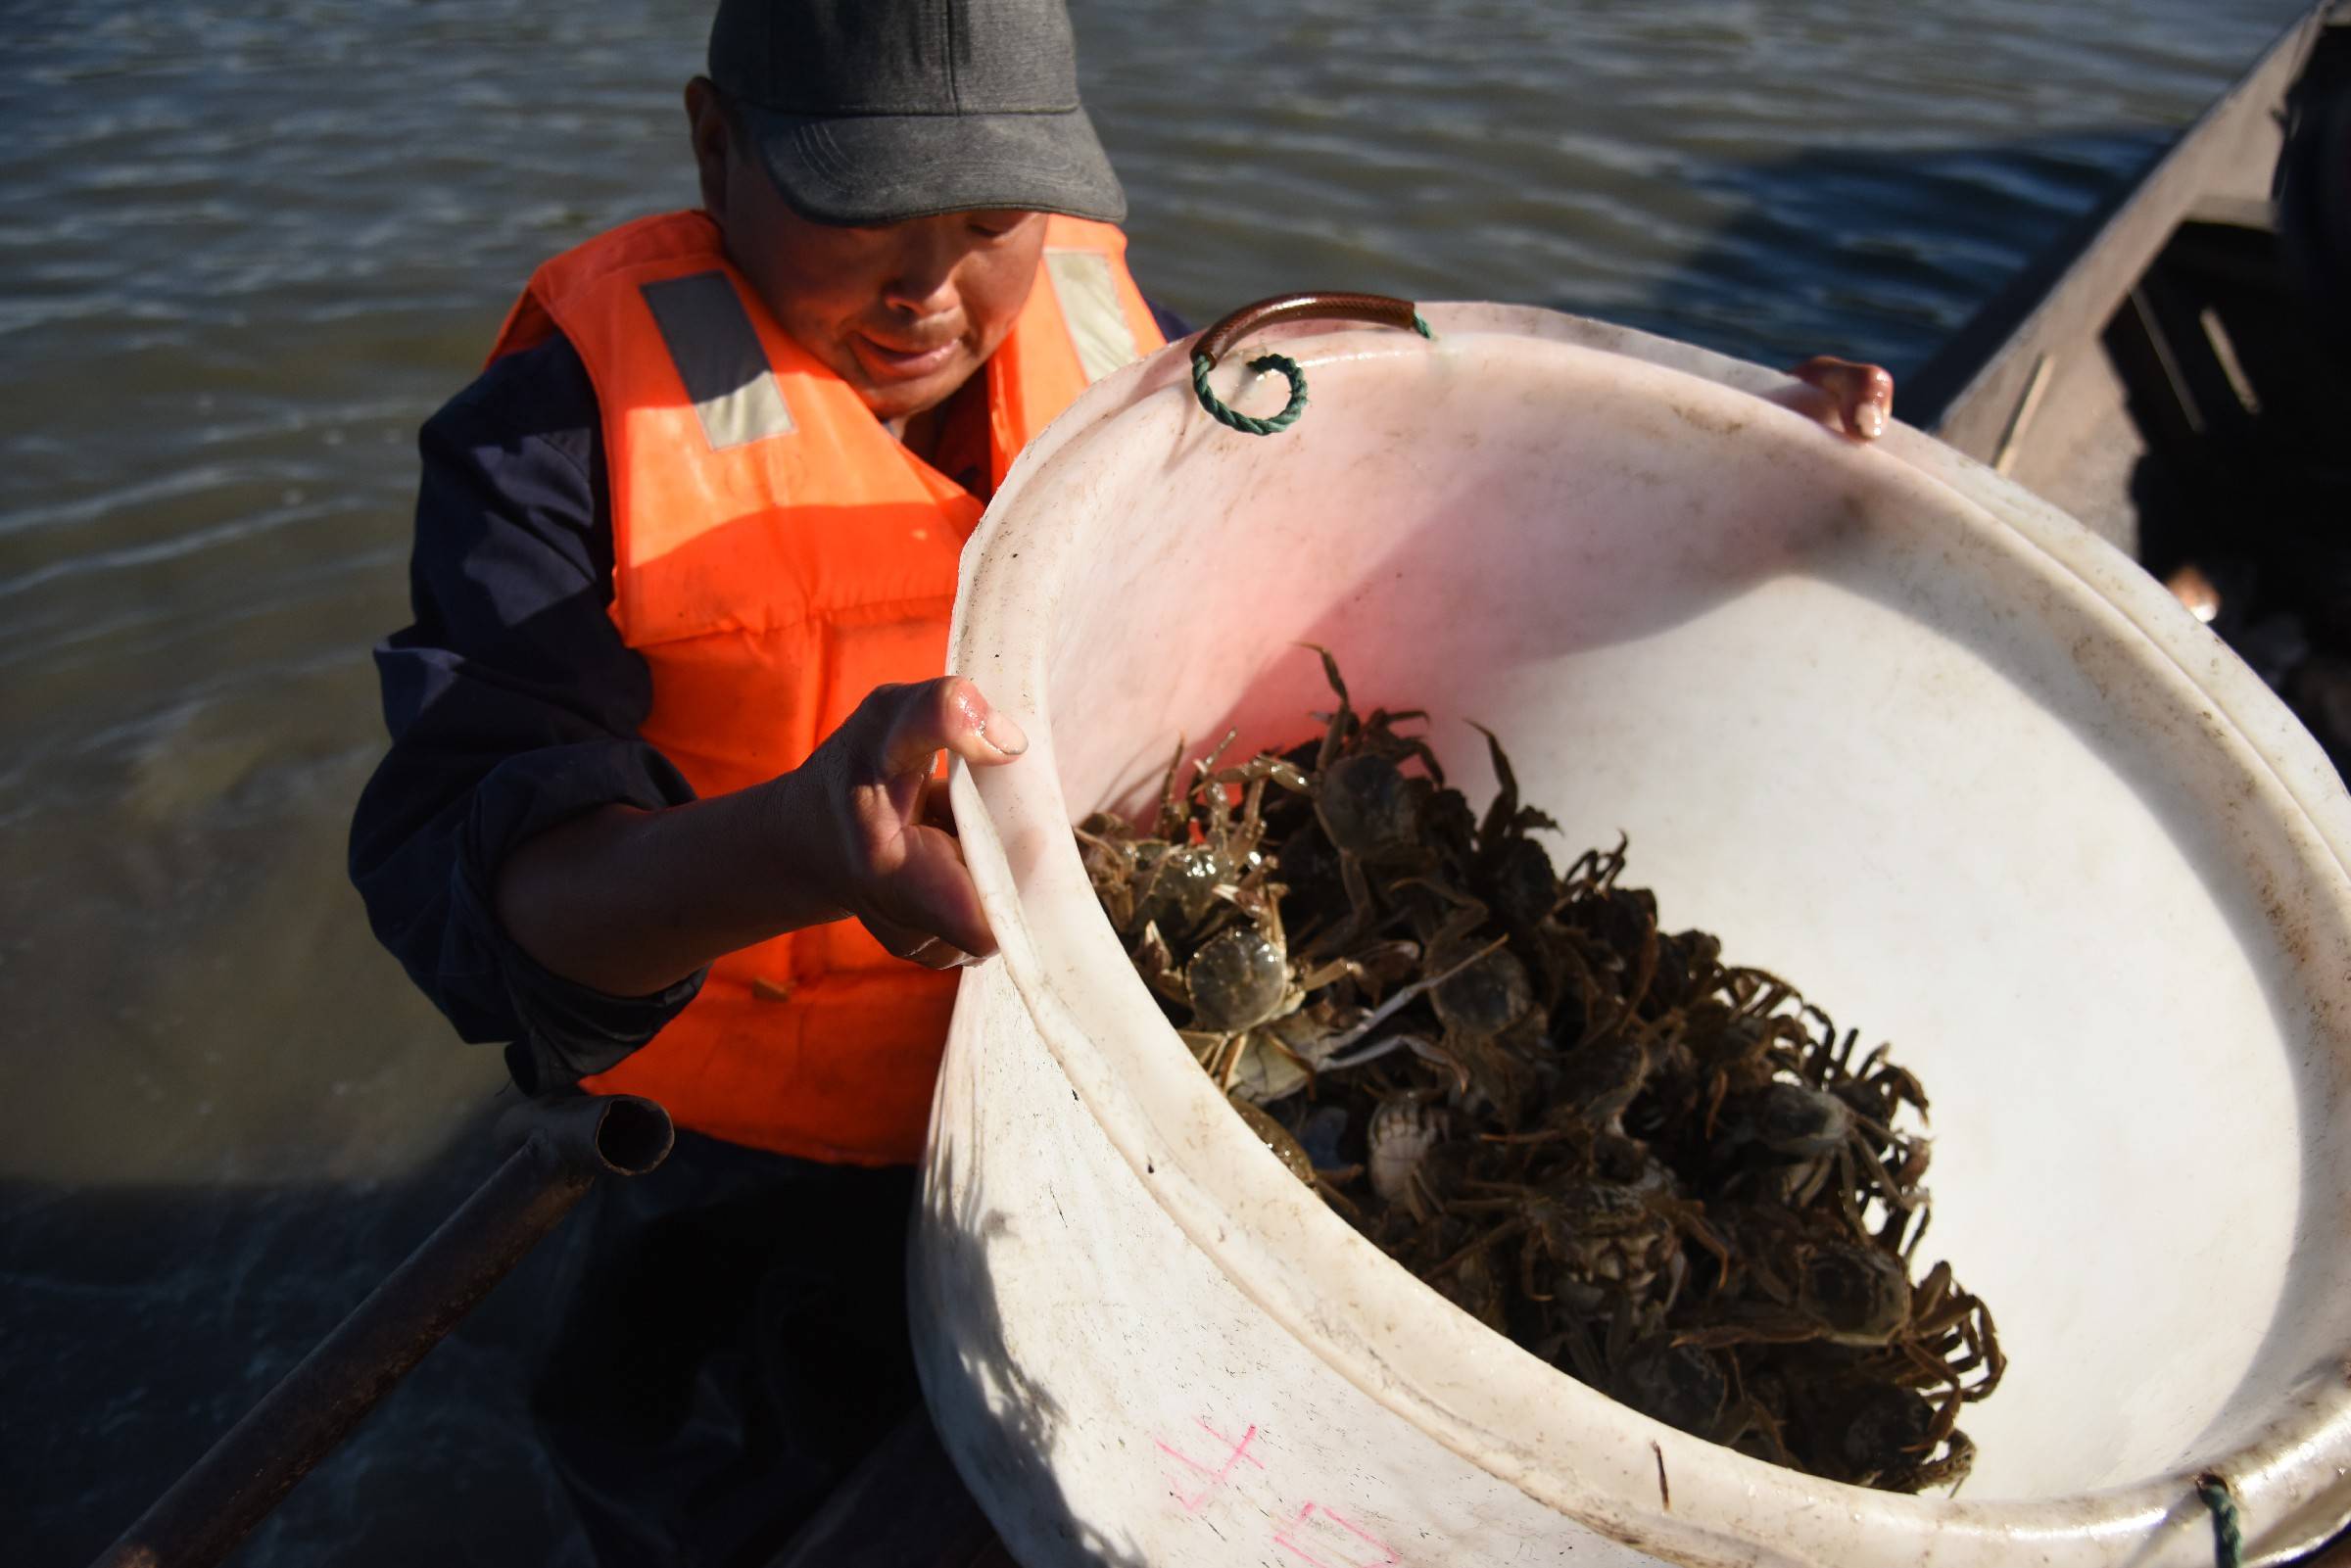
661,807
676,549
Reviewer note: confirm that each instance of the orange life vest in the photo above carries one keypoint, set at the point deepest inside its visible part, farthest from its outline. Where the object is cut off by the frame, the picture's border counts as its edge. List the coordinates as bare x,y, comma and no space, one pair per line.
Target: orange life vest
777,555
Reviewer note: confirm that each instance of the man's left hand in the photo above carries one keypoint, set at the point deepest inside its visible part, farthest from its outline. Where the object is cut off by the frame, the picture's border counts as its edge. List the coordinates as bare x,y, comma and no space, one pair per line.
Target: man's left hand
1853,400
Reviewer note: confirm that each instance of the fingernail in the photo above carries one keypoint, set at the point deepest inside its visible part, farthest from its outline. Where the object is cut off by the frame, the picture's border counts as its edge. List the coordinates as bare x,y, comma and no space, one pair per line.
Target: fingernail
1871,420
998,730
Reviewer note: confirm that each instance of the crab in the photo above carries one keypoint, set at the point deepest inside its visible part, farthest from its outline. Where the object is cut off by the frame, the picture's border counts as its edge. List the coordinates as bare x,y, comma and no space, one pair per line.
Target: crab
1369,811
1235,983
1697,1392
1815,1141
1591,1240
1246,997
1795,1279
1890,1437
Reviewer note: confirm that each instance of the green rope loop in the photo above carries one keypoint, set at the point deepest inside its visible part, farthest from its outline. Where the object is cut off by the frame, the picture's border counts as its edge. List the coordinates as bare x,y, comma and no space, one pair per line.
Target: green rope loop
2228,1529
1232,418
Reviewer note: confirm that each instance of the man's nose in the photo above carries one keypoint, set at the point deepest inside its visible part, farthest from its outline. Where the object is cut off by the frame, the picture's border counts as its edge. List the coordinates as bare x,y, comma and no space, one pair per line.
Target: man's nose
924,282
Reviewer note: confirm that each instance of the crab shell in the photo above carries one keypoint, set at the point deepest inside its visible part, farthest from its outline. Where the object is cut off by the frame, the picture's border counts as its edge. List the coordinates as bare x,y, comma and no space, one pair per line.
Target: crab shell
1239,979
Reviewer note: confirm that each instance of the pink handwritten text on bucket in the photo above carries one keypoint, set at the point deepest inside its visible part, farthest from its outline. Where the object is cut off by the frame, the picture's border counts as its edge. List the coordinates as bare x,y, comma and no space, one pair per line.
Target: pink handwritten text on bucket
1220,1472
1325,1540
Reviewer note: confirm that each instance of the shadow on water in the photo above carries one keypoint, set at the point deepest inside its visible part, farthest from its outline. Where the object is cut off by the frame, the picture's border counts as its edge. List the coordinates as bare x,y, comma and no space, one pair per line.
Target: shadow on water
204,1297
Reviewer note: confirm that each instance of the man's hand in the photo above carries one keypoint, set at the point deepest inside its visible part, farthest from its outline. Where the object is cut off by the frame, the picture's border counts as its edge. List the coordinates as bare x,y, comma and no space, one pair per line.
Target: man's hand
630,902
888,855
1855,400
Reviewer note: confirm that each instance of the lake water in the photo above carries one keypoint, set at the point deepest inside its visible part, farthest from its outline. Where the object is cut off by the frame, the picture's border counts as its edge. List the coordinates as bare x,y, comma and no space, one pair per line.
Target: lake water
247,249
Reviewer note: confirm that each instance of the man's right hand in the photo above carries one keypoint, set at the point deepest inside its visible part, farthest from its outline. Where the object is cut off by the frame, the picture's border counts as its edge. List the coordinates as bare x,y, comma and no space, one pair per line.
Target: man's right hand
630,902
890,857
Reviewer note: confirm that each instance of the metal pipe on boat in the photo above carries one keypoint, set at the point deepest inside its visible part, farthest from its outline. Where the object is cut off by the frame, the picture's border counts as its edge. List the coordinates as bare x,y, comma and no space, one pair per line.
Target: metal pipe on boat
563,1144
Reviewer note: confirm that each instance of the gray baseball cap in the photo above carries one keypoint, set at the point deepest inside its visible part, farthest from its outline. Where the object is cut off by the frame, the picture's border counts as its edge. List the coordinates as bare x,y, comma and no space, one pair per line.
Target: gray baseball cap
879,111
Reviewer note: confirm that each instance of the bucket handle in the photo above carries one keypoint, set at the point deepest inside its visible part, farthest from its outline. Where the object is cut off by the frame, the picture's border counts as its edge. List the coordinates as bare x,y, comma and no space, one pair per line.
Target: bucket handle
1316,305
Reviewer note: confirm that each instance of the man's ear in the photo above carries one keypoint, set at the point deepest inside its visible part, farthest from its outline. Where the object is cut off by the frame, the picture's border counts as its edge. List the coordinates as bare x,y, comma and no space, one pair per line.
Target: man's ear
713,142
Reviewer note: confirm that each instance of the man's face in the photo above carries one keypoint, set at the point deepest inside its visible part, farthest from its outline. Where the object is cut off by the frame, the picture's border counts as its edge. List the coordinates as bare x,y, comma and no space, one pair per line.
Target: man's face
905,312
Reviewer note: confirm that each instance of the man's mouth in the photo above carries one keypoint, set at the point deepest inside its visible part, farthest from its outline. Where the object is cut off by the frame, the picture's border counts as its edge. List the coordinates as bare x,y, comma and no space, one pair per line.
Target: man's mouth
889,362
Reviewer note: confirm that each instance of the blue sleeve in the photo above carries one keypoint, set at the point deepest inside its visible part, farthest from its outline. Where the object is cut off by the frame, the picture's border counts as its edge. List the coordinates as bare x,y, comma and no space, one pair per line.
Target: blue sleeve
1170,325
513,704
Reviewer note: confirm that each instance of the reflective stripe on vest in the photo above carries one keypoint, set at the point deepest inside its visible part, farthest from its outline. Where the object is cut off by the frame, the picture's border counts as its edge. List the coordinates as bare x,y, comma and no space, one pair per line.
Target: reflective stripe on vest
1089,296
716,349
777,555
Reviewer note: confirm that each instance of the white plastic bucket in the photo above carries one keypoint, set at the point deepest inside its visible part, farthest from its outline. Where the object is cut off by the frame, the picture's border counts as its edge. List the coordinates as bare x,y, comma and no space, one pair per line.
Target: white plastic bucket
1889,725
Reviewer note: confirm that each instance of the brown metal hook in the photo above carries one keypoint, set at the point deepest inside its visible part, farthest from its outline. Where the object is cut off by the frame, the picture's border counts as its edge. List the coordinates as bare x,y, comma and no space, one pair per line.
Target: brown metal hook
1314,305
